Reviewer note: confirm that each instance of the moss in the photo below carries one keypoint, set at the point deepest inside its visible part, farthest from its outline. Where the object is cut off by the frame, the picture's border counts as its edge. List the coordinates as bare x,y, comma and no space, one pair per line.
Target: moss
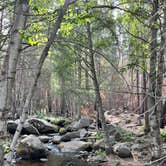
128,137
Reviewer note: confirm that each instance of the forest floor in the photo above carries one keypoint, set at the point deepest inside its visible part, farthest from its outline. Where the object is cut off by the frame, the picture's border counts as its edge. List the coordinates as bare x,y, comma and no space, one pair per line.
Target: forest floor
128,121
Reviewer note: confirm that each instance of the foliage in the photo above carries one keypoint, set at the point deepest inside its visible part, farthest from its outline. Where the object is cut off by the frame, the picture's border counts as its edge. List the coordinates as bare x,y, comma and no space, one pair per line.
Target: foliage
163,134
102,152
99,135
128,137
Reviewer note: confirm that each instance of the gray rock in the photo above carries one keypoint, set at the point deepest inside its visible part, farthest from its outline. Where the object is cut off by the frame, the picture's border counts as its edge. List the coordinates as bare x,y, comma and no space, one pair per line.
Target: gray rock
31,148
122,150
56,139
115,163
83,133
74,146
70,135
99,144
27,127
44,138
43,126
137,147
113,131
82,123
98,159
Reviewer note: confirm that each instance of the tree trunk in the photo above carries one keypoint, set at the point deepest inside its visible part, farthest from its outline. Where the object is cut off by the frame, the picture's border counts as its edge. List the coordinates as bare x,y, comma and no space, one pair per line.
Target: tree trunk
10,61
145,106
161,106
36,77
138,96
1,155
99,106
154,114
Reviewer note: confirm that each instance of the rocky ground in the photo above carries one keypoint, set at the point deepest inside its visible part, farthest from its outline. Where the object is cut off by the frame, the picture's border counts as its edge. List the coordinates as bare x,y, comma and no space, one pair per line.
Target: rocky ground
42,136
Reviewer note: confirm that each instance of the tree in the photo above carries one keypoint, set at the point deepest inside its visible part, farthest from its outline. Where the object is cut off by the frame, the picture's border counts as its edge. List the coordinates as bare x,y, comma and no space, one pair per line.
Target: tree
37,75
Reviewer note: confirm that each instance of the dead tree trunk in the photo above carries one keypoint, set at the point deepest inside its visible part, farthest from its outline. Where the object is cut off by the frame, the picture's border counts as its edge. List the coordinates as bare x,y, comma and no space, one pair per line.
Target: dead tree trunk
36,77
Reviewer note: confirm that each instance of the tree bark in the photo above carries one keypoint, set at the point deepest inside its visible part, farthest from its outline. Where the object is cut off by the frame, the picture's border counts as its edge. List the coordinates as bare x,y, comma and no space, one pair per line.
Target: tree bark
162,53
10,61
145,106
154,114
36,77
99,106
138,96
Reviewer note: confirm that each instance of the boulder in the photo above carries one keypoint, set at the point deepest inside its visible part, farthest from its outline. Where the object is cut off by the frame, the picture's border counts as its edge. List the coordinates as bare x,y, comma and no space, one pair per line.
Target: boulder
59,121
75,146
82,123
74,134
113,131
122,150
44,138
70,135
100,144
98,159
56,139
31,148
27,127
83,133
43,126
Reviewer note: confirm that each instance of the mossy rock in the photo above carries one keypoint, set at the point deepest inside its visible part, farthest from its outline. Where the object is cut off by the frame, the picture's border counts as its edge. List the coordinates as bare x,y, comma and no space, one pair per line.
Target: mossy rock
62,131
59,121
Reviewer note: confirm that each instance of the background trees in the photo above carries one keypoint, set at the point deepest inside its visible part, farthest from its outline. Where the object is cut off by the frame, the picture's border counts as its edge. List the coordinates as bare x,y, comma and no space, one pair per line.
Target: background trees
103,55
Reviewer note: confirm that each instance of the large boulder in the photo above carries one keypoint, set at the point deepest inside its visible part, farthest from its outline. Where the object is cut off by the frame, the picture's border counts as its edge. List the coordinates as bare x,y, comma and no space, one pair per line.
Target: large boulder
31,148
75,146
75,134
122,150
27,127
82,123
70,135
43,126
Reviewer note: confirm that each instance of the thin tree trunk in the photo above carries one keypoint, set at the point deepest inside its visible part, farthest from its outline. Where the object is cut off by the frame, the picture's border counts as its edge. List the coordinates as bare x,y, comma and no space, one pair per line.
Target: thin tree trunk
97,90
145,106
78,116
36,77
138,96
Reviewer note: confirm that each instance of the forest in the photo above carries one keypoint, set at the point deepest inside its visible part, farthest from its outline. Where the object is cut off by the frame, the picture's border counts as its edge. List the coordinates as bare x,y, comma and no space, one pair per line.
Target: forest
83,83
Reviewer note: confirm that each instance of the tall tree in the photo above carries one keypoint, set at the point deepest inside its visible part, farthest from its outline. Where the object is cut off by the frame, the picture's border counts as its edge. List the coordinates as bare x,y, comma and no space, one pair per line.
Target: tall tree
154,114
10,61
43,56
